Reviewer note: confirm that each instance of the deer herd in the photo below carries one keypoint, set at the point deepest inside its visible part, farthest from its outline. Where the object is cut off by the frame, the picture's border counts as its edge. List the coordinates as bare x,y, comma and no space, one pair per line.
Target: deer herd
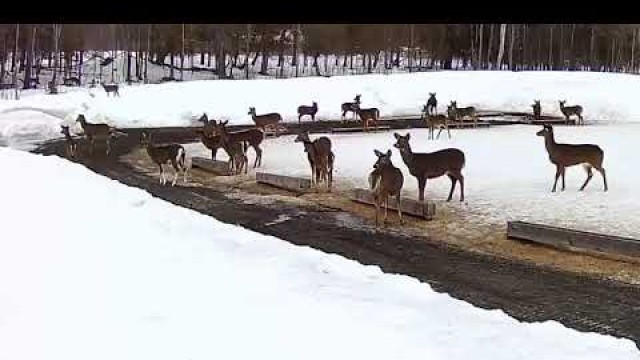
385,180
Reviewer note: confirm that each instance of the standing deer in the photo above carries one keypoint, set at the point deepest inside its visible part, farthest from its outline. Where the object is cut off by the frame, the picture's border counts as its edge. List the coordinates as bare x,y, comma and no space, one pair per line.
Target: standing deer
537,109
237,151
320,157
439,121
566,155
308,110
432,165
209,137
111,88
567,111
70,143
208,127
366,115
432,104
350,107
265,120
253,137
385,180
460,113
162,154
93,131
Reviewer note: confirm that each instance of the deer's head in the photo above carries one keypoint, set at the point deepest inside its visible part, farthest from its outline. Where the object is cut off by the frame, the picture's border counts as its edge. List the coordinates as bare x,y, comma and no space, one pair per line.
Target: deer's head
64,129
315,104
402,142
536,103
562,102
81,118
546,130
384,159
252,111
357,98
432,96
145,138
451,111
303,136
454,104
204,118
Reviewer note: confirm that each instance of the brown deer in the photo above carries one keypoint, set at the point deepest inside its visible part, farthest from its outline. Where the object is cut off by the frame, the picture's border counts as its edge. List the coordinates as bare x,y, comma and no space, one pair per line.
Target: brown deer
537,109
433,121
432,104
308,110
111,88
432,165
265,120
367,115
208,127
461,113
567,111
385,180
350,107
566,155
70,143
94,131
208,135
320,157
162,154
237,151
252,137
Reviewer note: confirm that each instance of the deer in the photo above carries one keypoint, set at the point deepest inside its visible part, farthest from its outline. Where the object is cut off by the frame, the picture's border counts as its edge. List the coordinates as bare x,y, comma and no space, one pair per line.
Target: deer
566,155
208,135
93,131
237,151
350,107
432,165
111,88
469,111
385,180
308,110
433,121
252,137
366,115
567,111
162,154
265,120
432,104
71,145
536,109
320,157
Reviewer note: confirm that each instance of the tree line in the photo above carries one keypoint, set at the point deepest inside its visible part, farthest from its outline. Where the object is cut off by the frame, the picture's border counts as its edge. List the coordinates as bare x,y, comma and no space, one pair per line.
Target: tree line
220,48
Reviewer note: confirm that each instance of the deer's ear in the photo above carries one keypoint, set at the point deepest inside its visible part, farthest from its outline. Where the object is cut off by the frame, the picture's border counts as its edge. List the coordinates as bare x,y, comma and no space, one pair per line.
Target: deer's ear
377,152
389,153
397,136
408,136
224,122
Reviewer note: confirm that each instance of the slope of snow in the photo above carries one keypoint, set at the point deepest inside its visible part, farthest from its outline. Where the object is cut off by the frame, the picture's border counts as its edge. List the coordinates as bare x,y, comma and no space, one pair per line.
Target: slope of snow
605,96
110,272
508,175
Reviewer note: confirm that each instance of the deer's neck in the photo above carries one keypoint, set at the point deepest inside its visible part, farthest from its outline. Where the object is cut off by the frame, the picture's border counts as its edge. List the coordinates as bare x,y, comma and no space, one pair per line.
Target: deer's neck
407,156
550,143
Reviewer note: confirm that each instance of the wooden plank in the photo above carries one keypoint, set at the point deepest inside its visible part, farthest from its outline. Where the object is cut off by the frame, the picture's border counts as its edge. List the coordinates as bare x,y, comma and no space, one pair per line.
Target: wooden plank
573,239
291,183
359,129
215,166
424,210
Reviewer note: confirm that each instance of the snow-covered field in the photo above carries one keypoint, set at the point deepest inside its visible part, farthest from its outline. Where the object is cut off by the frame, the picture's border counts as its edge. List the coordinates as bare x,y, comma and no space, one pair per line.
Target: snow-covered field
508,175
110,272
605,97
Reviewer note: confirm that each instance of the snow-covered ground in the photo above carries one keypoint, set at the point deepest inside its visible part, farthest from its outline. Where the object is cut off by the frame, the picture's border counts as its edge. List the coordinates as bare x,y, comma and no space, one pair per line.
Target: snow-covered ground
508,175
605,97
110,272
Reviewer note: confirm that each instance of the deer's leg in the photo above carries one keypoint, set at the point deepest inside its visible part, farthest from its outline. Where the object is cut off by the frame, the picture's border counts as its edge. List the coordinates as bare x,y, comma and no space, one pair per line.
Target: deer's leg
161,174
453,185
558,171
176,170
589,176
562,174
448,132
399,204
604,177
422,183
214,152
438,137
258,156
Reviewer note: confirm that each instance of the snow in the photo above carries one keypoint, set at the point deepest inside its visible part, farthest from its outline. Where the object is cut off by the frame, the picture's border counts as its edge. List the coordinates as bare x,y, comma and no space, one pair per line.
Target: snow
508,175
112,272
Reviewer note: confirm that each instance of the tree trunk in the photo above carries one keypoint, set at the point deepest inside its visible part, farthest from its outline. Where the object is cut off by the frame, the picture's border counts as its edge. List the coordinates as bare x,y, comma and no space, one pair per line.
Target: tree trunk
171,67
490,46
29,66
182,56
377,57
591,49
128,67
503,33
81,63
265,61
480,47
633,47
551,48
512,43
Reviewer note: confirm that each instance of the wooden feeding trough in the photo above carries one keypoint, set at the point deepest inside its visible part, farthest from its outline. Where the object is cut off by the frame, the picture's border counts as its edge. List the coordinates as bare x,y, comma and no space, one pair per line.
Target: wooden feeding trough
424,210
214,166
291,183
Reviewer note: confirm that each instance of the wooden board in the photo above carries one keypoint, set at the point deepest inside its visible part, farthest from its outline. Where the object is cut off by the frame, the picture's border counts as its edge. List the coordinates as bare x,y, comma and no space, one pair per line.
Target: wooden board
424,210
573,239
215,166
291,183
359,129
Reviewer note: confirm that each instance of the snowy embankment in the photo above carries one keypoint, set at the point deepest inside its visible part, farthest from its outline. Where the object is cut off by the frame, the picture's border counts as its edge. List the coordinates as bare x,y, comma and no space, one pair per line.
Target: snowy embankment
604,96
110,272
